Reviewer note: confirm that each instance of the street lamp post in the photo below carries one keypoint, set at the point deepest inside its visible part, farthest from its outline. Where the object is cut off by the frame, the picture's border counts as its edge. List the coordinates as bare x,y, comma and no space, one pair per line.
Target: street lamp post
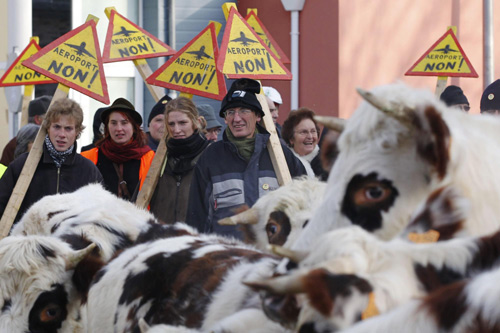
294,6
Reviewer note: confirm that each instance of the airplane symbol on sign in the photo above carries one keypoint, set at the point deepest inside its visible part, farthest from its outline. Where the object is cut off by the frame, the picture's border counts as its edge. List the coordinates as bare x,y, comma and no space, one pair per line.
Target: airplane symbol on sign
446,49
243,39
80,49
200,53
125,32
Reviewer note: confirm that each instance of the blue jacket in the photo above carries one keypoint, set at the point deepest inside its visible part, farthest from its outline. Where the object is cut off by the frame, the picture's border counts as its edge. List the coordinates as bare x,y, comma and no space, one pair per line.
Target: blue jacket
224,181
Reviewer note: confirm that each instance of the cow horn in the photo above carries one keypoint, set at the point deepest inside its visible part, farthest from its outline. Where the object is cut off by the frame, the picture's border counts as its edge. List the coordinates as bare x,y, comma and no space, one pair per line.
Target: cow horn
398,112
286,284
295,256
249,216
77,256
143,326
333,123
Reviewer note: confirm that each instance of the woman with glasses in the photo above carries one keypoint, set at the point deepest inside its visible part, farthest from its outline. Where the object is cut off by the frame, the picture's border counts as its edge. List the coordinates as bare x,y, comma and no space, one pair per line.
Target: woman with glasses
185,143
301,132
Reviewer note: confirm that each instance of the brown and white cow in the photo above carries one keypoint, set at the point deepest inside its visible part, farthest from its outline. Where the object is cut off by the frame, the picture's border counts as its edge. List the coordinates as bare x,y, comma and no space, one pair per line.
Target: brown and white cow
185,280
279,217
39,286
462,307
397,148
347,265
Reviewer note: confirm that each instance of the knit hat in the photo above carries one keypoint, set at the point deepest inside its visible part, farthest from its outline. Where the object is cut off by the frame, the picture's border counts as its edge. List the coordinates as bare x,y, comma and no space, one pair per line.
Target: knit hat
159,108
273,94
242,94
39,106
490,100
453,95
208,112
121,104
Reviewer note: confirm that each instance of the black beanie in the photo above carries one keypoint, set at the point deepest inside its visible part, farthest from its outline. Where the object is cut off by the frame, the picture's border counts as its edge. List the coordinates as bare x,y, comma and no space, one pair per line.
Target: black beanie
39,106
453,95
159,108
490,100
242,94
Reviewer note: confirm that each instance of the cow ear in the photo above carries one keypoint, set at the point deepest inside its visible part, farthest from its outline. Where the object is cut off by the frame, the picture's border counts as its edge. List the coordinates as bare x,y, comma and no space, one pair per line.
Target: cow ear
84,273
433,139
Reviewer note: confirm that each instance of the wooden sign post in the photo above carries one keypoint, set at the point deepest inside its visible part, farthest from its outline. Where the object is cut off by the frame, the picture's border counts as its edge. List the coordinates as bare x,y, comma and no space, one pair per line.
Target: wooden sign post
274,144
257,62
29,168
207,81
137,50
92,85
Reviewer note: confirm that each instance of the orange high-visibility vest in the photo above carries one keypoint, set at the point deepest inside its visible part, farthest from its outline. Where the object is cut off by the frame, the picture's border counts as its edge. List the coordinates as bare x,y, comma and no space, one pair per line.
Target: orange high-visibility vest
146,160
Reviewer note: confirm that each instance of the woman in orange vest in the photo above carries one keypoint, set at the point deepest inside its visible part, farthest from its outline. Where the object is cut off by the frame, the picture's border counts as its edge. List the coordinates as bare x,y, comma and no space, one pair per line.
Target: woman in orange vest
122,156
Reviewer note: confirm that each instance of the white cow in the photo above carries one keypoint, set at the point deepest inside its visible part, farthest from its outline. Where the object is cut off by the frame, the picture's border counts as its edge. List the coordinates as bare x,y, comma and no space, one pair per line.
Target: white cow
36,289
393,156
89,215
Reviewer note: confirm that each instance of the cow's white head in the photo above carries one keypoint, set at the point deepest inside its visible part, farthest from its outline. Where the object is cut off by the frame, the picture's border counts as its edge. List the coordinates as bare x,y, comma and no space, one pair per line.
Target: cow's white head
279,217
393,151
36,291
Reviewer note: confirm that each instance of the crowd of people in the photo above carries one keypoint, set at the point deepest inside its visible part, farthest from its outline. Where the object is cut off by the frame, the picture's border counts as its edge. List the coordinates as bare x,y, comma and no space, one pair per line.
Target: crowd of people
210,170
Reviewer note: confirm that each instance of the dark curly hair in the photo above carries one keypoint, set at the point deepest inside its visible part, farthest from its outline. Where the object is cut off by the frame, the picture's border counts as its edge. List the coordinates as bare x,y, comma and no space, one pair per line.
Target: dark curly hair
294,118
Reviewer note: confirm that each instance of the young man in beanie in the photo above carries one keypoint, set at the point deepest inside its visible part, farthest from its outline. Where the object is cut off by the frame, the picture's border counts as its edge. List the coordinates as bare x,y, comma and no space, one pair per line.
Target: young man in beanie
237,170
490,100
36,111
156,123
213,127
453,96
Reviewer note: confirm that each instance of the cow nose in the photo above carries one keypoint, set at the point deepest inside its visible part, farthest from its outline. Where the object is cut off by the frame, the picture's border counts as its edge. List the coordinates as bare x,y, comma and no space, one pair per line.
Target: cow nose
308,328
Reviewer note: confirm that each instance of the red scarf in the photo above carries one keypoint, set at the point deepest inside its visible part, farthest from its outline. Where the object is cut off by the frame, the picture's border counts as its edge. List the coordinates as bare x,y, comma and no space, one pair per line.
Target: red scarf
123,153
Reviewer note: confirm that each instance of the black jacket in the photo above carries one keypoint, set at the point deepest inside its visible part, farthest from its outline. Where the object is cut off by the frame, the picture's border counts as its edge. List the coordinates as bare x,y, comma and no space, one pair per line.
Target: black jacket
75,172
224,181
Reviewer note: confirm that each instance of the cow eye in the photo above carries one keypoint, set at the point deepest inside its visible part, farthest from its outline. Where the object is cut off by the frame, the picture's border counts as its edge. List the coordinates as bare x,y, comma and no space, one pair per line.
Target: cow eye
371,193
51,312
272,229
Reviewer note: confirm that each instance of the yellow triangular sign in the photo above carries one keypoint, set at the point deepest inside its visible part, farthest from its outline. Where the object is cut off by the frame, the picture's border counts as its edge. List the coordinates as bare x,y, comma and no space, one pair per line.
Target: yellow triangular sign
193,69
19,75
444,58
127,41
244,54
74,60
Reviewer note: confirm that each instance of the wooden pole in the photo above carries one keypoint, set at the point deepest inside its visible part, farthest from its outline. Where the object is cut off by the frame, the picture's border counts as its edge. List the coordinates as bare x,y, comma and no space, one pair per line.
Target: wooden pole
29,168
149,185
273,145
440,85
145,71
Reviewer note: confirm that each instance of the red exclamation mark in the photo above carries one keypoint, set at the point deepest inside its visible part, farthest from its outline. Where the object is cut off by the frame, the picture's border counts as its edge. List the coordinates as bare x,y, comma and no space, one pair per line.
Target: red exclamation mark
210,80
93,78
269,60
461,62
151,43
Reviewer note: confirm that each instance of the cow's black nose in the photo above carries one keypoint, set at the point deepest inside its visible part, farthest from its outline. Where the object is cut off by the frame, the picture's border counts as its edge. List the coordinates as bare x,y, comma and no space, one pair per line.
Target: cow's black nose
308,328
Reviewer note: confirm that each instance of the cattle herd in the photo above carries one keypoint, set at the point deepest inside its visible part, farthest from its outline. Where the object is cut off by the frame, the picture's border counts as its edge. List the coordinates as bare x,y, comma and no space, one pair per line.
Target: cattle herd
403,237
